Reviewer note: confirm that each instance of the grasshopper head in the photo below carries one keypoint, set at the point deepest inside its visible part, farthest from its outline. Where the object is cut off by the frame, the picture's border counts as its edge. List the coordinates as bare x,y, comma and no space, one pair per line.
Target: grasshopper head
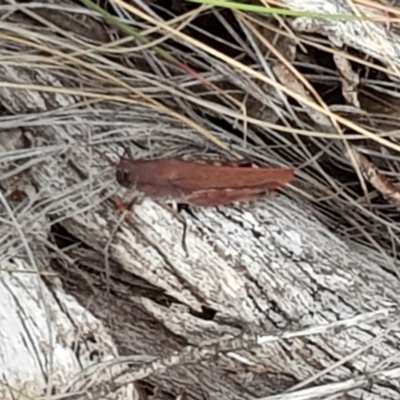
125,173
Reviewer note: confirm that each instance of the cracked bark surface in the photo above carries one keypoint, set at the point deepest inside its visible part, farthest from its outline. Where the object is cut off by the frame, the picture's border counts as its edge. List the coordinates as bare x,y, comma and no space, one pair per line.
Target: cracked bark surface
264,268
266,298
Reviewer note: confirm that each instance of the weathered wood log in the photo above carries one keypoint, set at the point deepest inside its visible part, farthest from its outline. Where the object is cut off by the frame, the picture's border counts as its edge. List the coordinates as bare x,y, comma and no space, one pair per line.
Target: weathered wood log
266,303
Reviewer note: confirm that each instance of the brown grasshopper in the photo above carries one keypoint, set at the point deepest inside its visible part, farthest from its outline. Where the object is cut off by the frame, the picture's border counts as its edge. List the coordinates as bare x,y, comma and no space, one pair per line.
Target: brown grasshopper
199,184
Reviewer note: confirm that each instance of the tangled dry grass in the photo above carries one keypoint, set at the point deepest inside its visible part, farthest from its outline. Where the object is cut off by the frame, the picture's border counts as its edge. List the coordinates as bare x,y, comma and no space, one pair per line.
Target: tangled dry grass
200,82
268,126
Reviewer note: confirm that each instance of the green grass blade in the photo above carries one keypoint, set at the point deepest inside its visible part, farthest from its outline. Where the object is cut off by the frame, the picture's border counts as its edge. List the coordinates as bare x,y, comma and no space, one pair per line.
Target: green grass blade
127,29
274,10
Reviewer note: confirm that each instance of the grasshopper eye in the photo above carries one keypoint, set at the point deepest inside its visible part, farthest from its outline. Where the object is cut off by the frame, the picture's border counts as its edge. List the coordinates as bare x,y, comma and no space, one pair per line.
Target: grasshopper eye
122,177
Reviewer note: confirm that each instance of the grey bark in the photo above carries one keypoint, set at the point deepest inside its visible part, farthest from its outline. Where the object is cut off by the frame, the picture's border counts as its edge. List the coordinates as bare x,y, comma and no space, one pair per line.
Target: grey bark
266,304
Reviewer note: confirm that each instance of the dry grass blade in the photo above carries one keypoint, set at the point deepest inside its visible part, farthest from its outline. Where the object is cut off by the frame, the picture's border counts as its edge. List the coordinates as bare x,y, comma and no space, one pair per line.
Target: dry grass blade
244,68
293,296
